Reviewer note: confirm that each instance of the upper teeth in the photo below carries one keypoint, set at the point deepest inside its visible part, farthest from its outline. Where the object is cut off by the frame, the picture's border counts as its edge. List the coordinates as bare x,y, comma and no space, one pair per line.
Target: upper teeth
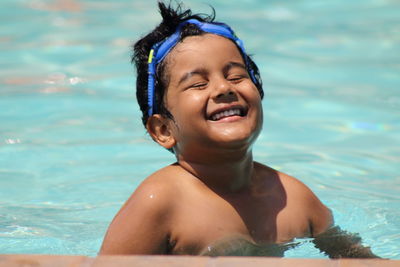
225,113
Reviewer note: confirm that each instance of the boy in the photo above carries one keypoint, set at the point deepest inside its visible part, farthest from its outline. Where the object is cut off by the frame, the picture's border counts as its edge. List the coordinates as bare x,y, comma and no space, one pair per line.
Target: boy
200,94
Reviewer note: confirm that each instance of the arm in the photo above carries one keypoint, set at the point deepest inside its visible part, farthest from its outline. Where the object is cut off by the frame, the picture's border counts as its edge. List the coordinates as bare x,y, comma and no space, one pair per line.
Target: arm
141,226
337,243
330,239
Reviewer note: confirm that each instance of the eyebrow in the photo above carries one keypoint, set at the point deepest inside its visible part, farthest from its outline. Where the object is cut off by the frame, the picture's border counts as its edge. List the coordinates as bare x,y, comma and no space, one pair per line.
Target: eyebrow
233,64
203,71
187,75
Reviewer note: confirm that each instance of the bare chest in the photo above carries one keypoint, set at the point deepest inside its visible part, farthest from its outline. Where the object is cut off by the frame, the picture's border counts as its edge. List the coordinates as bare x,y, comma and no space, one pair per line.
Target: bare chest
201,223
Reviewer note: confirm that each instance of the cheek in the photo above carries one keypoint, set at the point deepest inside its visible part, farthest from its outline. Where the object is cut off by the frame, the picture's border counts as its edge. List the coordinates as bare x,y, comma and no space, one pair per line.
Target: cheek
252,96
256,97
188,104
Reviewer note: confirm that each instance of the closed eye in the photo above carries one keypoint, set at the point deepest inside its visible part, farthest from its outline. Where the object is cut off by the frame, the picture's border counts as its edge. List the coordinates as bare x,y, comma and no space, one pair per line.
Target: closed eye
200,85
237,78
235,72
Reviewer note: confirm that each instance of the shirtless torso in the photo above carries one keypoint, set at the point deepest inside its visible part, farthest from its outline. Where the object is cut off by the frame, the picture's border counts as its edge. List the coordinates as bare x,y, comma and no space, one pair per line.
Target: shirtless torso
173,212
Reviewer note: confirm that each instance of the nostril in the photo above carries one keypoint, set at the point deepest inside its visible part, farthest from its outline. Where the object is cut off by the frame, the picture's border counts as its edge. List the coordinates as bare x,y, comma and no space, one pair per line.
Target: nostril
229,93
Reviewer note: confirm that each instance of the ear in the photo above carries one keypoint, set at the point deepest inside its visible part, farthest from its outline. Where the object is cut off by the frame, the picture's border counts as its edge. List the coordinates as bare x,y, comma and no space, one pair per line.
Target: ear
160,130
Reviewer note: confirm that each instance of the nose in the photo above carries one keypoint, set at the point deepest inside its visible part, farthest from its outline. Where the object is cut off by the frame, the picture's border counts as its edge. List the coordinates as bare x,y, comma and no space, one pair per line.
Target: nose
223,91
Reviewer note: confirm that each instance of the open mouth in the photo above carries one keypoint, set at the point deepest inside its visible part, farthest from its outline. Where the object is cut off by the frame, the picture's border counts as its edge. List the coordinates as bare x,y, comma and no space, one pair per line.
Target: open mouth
233,111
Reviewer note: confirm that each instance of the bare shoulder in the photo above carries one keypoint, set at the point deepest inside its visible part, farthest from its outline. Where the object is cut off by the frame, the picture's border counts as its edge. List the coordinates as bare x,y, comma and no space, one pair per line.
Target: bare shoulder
154,193
158,186
290,183
301,197
142,225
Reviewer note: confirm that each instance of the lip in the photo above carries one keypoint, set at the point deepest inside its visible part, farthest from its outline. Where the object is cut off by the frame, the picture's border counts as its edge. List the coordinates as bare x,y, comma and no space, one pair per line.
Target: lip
243,111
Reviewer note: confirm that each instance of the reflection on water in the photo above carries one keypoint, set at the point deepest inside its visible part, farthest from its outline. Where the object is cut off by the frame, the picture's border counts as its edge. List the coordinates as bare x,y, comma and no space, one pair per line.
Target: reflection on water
242,246
334,243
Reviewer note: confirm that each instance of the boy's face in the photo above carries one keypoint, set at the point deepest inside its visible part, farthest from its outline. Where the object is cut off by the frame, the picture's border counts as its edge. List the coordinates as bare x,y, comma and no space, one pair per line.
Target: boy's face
211,96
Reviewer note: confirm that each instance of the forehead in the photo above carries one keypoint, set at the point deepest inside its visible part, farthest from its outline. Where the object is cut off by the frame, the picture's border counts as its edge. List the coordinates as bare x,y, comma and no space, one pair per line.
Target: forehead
202,50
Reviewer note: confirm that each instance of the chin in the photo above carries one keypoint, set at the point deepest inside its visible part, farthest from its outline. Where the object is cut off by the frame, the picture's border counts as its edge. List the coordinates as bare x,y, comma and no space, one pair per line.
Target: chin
243,141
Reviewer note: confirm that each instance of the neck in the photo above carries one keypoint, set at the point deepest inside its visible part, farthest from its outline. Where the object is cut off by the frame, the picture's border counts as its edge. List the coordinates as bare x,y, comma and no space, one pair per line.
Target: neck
228,174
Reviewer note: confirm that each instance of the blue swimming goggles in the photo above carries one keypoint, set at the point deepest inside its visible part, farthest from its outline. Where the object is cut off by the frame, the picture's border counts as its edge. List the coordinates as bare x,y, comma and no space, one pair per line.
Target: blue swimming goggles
161,49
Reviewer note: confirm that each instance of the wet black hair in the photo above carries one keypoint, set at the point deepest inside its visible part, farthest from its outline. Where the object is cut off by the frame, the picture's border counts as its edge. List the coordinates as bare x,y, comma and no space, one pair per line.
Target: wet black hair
171,18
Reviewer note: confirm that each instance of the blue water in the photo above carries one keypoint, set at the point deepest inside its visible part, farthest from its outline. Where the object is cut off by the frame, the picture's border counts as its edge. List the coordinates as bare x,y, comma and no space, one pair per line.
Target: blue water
72,147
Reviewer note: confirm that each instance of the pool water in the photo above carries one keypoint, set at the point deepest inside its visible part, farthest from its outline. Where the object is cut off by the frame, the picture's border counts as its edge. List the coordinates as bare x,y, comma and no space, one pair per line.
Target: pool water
72,147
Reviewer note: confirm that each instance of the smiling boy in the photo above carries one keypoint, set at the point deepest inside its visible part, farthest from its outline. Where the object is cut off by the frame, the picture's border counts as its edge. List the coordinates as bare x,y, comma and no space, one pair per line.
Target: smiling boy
200,94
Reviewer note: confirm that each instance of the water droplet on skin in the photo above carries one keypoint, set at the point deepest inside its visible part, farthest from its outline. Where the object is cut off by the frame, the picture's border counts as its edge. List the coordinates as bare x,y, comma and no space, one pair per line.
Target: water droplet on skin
151,196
